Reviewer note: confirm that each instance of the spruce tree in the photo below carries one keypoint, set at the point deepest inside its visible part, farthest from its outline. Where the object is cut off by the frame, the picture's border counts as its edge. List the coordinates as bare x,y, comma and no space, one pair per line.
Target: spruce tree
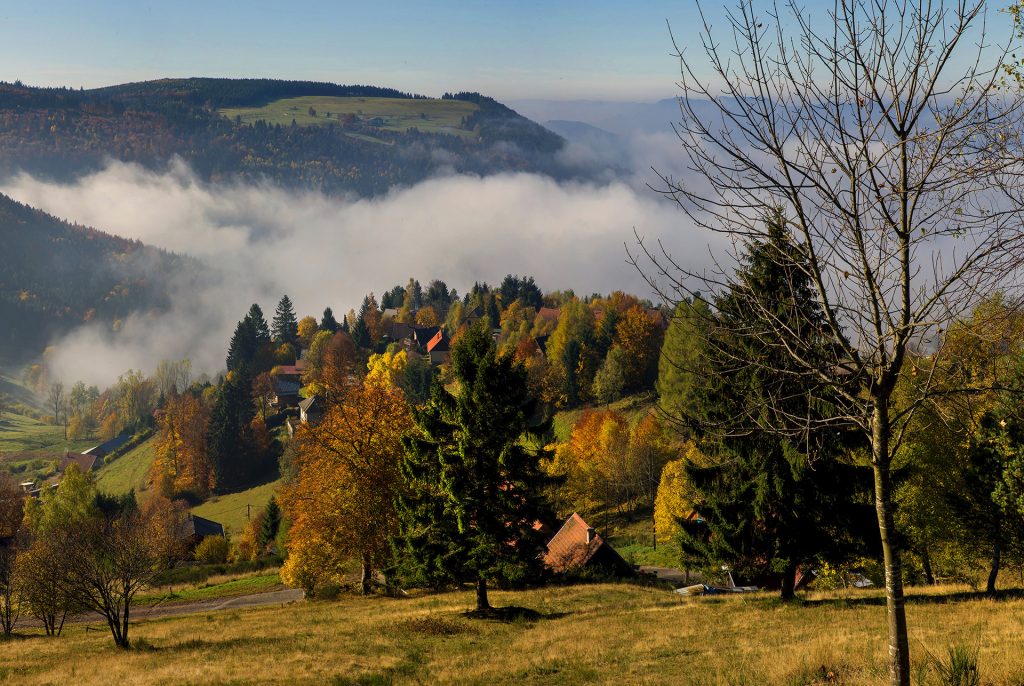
229,439
475,484
243,346
765,508
259,324
361,334
285,326
493,313
271,523
329,323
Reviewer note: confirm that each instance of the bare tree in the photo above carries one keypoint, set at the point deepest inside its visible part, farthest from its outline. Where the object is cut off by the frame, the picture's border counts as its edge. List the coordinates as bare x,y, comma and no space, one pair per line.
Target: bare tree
882,138
58,402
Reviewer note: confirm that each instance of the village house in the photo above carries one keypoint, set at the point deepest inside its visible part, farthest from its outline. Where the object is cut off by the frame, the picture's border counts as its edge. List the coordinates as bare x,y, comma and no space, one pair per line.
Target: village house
577,546
439,348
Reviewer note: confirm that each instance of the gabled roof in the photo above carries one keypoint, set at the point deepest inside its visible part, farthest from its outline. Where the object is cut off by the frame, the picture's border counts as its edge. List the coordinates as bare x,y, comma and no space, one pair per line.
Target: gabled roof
86,463
307,403
577,544
202,527
288,370
439,343
103,448
423,334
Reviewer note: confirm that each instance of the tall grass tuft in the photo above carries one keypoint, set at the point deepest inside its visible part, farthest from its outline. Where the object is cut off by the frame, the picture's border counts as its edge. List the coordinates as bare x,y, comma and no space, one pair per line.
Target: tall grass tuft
960,668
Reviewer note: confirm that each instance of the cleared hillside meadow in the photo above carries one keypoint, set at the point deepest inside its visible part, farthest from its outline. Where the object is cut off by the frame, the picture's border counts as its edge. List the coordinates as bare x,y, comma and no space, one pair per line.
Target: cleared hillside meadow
602,633
397,114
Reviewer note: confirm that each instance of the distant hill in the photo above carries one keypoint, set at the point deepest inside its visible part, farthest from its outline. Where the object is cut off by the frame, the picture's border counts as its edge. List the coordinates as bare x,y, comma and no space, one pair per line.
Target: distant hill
55,276
259,128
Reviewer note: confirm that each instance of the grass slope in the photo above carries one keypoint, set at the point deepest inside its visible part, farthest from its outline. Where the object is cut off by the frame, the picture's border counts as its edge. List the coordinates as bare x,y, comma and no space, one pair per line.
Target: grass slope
605,634
231,509
29,447
399,114
633,406
128,472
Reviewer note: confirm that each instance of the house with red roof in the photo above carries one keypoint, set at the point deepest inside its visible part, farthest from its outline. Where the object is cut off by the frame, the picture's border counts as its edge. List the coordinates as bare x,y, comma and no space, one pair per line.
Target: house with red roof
577,546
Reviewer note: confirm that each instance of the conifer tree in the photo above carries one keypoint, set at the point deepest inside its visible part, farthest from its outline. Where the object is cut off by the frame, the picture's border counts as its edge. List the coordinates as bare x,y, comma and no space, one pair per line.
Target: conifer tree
243,346
286,326
229,440
765,508
271,523
328,322
361,334
475,484
259,324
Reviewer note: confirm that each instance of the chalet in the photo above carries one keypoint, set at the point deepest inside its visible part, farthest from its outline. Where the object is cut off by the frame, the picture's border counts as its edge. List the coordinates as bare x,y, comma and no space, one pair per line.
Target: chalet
439,348
288,372
397,331
578,546
311,410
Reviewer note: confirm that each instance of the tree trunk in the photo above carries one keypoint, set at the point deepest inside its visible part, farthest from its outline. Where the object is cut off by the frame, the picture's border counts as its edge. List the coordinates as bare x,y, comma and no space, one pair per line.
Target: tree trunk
367,575
990,588
788,591
481,595
926,562
896,613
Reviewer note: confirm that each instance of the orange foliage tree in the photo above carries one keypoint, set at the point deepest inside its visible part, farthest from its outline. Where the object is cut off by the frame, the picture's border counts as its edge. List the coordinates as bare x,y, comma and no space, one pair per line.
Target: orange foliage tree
182,463
341,503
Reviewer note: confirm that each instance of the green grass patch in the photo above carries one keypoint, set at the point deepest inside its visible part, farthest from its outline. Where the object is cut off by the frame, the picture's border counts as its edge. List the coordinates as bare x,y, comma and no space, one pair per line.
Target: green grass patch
395,114
634,407
234,509
128,472
257,583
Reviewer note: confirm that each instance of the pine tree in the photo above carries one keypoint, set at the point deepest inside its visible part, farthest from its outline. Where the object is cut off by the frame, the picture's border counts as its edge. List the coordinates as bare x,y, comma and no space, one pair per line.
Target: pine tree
476,486
229,438
765,509
286,327
329,323
493,313
361,334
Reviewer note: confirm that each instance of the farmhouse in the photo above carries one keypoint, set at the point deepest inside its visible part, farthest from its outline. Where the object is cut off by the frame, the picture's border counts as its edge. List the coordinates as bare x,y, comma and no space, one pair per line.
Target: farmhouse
439,348
311,410
578,546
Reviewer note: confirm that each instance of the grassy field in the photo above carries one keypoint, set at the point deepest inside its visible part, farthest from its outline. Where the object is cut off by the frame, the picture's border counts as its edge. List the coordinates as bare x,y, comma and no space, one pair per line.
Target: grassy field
130,471
608,634
231,509
399,114
28,447
633,406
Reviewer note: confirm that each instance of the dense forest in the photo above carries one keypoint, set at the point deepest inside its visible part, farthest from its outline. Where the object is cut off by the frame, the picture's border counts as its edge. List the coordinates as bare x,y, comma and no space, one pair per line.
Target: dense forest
63,133
56,275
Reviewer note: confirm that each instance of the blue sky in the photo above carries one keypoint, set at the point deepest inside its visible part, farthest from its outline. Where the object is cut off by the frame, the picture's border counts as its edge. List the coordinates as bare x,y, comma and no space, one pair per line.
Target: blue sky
602,49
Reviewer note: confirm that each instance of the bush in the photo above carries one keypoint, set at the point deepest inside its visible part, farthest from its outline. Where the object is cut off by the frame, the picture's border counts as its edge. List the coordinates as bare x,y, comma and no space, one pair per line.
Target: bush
213,550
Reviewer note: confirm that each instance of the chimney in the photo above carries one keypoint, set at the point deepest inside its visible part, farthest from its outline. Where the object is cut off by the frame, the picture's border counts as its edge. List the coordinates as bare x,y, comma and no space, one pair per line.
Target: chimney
591,534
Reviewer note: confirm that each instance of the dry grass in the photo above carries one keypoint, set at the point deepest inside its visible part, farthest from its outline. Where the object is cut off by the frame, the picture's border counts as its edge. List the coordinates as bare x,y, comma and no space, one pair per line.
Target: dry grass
614,634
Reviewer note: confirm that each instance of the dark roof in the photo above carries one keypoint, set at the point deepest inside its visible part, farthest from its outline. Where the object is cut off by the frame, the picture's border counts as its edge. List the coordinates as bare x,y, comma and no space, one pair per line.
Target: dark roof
113,444
423,334
307,403
397,331
202,527
578,545
286,387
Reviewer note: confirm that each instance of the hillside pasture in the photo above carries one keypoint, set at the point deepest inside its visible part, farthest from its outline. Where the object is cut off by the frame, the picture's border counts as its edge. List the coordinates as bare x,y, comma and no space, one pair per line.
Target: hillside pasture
602,633
128,472
29,448
233,509
397,114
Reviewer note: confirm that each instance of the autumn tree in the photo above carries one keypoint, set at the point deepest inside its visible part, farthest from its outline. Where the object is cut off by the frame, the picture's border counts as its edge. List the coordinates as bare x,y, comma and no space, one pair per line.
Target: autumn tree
639,336
305,330
57,401
427,316
12,501
341,502
884,138
571,353
475,487
182,464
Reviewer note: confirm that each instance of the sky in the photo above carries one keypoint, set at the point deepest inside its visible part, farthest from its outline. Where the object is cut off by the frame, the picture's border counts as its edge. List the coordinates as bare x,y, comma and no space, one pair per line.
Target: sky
574,49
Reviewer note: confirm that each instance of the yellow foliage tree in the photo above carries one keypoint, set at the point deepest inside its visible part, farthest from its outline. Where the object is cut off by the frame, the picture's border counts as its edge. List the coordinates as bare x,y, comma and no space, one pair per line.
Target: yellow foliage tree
427,316
182,464
341,503
307,329
676,497
387,368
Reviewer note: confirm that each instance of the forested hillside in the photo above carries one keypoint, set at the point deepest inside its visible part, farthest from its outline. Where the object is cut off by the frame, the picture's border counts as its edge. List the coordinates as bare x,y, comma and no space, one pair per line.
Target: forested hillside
55,275
64,133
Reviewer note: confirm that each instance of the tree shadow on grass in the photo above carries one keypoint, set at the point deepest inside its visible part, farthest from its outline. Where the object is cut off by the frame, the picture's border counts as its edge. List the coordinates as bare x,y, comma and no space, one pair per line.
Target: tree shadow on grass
144,645
922,599
512,613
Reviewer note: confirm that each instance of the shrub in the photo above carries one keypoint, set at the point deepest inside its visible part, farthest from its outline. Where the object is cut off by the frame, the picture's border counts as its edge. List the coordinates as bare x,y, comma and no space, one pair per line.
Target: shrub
213,550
